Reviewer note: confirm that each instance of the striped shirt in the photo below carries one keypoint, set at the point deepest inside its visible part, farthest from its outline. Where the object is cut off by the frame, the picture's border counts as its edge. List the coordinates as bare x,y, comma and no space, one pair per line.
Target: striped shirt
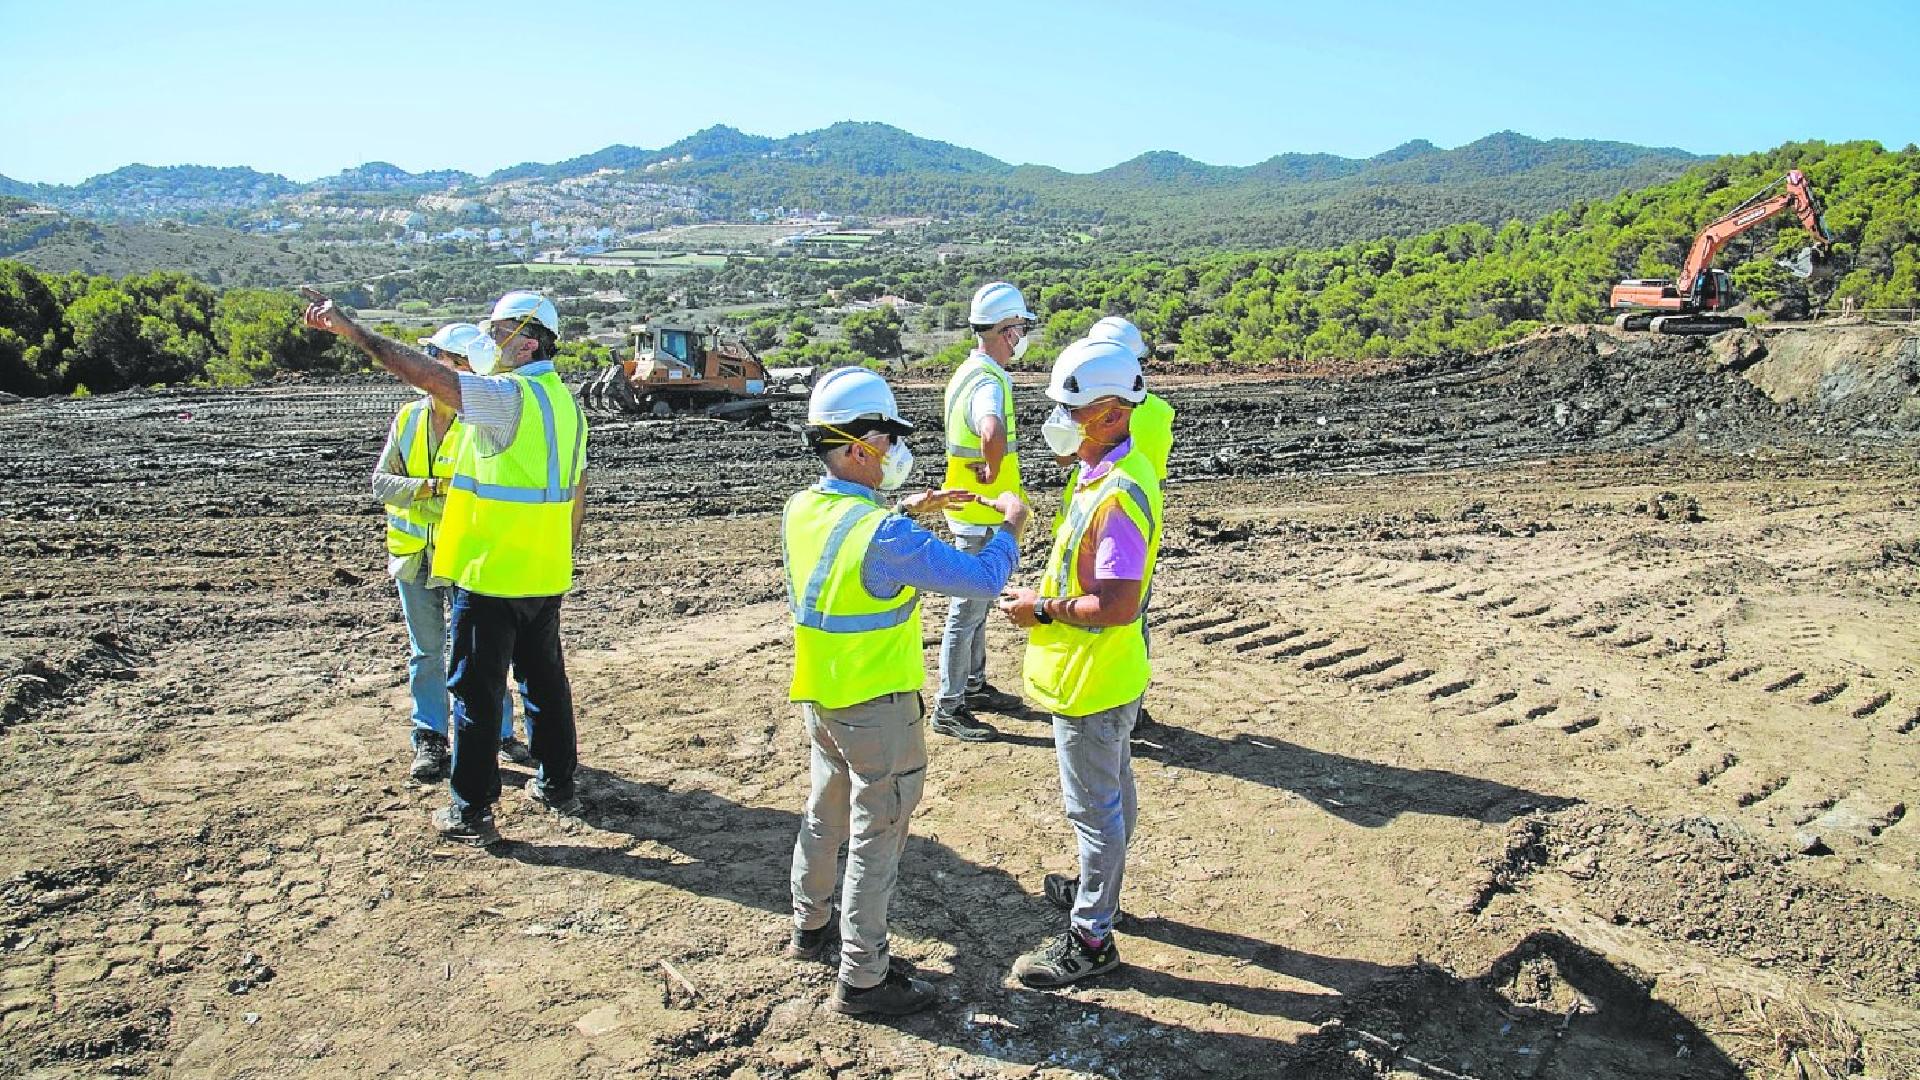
490,405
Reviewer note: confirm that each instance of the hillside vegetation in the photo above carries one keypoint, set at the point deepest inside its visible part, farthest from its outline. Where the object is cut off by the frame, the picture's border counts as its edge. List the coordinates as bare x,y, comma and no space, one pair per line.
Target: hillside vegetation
1468,286
1460,288
1157,201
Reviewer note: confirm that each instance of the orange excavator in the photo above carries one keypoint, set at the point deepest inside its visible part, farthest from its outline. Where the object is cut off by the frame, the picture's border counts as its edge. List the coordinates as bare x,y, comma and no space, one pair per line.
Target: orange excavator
1689,303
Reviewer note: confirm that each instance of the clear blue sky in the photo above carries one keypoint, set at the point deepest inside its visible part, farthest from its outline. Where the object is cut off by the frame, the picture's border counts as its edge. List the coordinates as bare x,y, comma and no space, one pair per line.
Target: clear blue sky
308,89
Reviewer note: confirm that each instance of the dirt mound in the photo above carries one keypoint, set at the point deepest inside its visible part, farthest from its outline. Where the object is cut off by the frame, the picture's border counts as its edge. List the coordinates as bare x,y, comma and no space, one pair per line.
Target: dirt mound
1543,1006
1855,378
1704,882
40,680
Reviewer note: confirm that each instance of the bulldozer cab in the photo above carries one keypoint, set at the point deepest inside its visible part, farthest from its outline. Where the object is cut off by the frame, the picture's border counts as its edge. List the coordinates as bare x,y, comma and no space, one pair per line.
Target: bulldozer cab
674,344
669,351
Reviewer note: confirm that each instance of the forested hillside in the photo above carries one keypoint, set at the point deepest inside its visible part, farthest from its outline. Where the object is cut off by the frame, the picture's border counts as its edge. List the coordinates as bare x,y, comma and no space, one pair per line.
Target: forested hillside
1469,286
1158,201
1456,289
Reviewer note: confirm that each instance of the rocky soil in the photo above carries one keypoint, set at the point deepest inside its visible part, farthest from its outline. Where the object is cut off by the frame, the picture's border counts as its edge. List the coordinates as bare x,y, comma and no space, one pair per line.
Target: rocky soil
1548,713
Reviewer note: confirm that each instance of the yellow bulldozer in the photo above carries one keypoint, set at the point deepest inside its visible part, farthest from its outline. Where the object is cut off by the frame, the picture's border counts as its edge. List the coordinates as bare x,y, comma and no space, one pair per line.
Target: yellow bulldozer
679,368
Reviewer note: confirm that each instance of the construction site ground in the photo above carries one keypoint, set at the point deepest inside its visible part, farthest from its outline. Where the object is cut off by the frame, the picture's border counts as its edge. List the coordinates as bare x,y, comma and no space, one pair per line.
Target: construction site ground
1547,713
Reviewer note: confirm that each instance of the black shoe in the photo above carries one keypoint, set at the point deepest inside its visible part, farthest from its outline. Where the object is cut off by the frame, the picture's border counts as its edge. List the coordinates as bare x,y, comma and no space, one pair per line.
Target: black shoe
1064,960
896,995
817,943
960,724
515,751
1060,891
430,758
474,829
990,698
568,804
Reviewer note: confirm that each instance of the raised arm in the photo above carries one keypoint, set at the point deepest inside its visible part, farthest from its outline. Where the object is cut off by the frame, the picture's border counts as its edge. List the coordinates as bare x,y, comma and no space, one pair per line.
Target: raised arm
409,366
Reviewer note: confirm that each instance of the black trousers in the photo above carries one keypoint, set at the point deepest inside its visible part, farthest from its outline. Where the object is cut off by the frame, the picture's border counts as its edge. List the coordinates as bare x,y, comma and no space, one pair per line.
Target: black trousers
489,633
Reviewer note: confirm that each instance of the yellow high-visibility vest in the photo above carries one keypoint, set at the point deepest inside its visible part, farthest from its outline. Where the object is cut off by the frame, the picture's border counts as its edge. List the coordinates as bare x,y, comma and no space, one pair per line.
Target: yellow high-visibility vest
1077,670
508,525
849,645
964,443
1151,428
410,527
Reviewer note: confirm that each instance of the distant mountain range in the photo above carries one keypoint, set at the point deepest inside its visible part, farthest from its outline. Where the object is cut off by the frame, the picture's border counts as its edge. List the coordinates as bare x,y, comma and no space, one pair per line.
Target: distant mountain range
872,168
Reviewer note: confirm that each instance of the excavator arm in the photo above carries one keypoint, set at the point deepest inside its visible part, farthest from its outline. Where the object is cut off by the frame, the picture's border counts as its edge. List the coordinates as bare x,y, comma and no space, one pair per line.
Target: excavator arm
1798,195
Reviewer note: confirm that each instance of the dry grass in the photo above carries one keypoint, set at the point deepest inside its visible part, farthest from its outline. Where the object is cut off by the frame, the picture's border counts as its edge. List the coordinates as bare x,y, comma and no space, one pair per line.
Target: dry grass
1800,1040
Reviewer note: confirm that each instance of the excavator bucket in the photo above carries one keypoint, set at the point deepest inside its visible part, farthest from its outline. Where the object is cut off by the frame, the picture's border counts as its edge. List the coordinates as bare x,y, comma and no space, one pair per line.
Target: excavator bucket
1800,264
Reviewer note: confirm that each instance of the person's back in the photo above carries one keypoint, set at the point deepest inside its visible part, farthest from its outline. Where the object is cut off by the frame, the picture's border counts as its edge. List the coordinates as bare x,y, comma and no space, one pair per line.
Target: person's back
855,572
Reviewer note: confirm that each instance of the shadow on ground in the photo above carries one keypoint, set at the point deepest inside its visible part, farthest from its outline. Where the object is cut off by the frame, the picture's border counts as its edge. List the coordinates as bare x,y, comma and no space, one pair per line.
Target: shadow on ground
1548,1008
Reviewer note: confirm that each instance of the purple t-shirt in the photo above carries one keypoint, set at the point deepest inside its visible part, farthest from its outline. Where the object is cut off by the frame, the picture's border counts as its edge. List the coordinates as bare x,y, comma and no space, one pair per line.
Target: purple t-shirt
1119,550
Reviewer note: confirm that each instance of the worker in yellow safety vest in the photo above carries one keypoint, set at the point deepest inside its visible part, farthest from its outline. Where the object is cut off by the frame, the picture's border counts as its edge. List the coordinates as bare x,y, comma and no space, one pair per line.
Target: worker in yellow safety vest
412,478
855,572
1086,660
507,534
982,458
1152,431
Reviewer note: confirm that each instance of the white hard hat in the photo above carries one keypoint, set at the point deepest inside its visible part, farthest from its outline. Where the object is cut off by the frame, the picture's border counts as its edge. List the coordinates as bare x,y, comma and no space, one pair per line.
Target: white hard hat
846,394
458,338
1115,328
1090,369
995,301
519,305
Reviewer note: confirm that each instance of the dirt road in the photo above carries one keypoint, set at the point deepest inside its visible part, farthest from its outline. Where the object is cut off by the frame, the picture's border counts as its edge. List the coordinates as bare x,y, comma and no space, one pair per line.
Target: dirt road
1552,713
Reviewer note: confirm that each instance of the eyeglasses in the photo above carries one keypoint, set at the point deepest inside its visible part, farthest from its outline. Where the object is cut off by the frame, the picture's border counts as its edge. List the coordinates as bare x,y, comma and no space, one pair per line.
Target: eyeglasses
494,326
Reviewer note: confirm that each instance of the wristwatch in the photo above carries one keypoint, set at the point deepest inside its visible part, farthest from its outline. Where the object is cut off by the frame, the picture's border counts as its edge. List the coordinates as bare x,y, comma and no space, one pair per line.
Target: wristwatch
1040,611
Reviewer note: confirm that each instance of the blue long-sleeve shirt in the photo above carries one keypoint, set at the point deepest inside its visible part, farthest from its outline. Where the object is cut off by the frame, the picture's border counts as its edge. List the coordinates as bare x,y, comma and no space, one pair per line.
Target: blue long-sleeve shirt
905,553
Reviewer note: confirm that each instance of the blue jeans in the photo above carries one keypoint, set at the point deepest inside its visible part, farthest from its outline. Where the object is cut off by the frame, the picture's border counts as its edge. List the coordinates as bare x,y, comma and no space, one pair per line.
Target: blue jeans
491,633
963,645
1096,783
425,611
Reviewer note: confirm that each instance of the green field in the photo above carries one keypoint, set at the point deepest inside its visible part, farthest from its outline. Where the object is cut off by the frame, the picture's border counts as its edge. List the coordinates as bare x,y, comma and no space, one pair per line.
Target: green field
646,263
849,238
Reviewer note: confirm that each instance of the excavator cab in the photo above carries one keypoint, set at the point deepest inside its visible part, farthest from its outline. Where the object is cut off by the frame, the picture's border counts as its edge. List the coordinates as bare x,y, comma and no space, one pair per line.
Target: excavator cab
1713,291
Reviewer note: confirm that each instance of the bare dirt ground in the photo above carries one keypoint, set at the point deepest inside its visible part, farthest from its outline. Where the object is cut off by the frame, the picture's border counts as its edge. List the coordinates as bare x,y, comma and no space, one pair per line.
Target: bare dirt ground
1550,713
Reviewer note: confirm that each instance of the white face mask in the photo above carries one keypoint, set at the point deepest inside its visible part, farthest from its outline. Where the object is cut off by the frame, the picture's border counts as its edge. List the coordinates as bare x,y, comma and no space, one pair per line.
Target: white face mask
483,356
896,465
1020,347
1063,435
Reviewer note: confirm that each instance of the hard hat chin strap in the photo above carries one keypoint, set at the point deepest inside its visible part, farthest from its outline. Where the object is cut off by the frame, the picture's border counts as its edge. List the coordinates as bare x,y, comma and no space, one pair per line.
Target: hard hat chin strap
846,439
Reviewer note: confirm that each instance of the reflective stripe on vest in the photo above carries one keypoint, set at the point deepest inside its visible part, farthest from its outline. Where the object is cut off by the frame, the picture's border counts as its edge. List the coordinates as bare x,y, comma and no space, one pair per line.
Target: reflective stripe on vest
964,444
1077,670
508,526
410,524
849,645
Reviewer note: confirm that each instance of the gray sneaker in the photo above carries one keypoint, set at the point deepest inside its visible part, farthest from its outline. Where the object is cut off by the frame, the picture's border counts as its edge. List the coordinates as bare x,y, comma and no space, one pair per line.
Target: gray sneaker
960,724
1064,959
515,751
896,995
540,796
430,758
